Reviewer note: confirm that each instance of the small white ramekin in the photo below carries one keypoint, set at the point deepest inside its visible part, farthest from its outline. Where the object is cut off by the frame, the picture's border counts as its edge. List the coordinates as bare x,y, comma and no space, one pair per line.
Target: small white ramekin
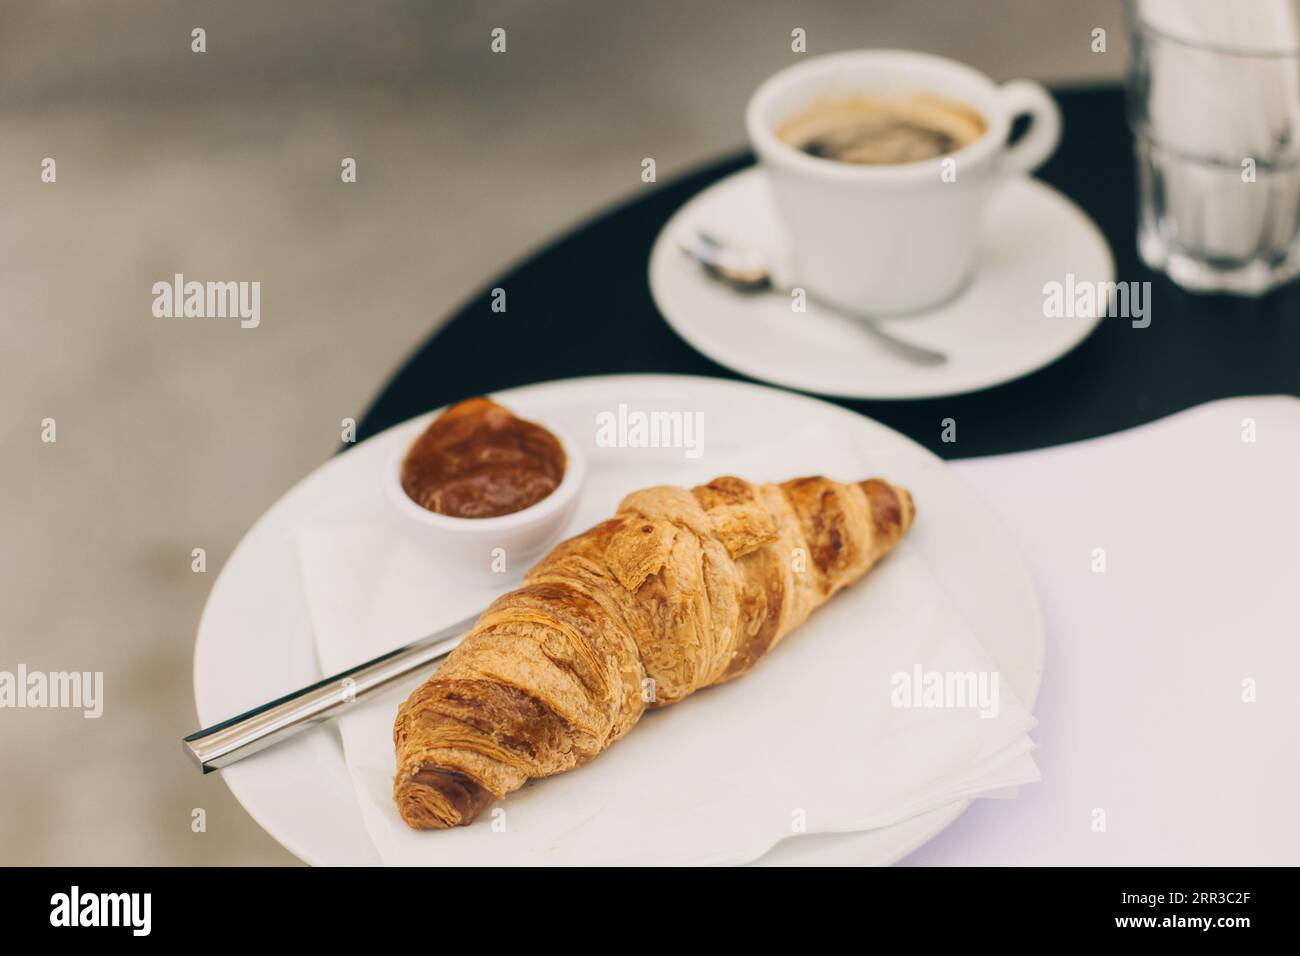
509,543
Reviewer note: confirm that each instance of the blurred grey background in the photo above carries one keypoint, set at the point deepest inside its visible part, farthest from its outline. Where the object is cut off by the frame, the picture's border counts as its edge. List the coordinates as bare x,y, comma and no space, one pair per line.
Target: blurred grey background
176,435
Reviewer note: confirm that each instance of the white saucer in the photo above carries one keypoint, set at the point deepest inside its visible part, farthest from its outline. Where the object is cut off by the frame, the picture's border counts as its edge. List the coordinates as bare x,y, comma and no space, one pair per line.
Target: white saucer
255,640
993,331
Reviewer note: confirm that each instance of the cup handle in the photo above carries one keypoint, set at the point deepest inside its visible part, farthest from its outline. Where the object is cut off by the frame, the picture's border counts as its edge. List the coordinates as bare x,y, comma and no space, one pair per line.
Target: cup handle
1026,98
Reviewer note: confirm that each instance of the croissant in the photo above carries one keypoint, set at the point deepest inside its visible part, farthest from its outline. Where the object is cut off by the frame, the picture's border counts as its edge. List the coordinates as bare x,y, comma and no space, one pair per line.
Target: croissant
681,589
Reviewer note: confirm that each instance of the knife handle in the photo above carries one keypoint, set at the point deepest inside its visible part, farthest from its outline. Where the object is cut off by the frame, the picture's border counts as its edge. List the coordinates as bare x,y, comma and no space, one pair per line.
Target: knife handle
234,739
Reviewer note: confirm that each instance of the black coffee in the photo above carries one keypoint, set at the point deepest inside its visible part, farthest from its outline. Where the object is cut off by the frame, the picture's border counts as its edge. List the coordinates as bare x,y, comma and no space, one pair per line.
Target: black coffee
879,130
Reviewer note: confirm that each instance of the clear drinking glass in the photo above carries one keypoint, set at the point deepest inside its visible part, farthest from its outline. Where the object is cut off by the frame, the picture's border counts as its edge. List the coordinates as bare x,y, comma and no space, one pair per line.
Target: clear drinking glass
1214,104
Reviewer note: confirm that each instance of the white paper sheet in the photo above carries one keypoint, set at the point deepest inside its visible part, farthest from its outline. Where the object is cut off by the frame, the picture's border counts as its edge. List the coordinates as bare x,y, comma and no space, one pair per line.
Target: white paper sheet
1170,727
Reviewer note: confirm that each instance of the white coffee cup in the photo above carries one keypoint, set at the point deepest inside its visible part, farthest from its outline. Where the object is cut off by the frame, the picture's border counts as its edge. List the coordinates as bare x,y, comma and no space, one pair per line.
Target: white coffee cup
896,238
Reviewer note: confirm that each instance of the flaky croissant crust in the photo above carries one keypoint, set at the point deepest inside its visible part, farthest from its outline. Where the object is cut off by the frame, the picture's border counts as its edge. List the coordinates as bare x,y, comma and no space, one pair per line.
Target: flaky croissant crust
681,589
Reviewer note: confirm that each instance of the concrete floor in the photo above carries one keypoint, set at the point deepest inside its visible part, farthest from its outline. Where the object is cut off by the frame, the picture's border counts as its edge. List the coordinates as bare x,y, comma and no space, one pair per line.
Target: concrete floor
177,435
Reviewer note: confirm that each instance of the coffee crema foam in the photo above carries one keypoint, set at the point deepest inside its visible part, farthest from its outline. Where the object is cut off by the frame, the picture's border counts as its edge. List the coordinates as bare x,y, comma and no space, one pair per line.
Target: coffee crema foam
872,130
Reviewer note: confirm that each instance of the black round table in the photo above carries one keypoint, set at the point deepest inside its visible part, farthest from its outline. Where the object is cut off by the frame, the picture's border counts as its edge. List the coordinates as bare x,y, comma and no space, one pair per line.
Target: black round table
583,306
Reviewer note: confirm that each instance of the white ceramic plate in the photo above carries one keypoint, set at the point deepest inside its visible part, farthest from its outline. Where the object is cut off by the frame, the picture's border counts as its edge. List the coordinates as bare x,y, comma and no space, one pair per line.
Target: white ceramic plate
993,331
255,642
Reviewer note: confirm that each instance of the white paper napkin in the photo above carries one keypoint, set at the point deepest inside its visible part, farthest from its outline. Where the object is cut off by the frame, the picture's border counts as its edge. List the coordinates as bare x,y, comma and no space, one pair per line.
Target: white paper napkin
809,741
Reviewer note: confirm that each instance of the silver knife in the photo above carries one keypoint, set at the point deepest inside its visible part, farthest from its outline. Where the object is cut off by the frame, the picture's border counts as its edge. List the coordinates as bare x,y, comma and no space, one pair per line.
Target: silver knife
234,739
